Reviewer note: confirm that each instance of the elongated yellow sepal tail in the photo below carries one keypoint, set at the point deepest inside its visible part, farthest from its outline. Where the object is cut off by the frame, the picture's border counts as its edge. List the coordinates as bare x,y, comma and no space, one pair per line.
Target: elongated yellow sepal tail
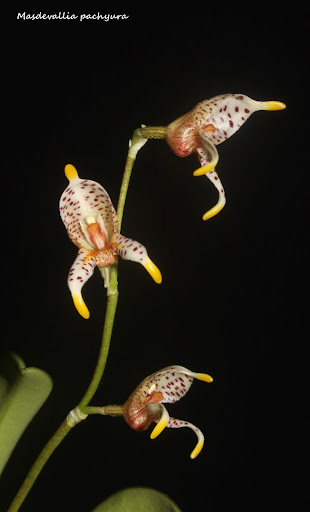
204,376
161,425
153,270
197,449
214,211
273,105
205,169
71,172
81,306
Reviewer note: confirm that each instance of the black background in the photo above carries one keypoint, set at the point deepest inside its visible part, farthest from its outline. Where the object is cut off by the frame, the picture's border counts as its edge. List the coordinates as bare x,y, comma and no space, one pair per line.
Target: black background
74,92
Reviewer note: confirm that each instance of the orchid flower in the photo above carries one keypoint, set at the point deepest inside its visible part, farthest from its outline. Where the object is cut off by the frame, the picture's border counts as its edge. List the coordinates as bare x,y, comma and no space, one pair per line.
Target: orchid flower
210,123
91,222
168,385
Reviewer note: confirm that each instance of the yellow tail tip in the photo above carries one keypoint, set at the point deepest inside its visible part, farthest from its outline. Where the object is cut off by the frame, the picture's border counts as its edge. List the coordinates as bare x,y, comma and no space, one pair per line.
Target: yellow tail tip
81,306
153,270
161,425
204,376
205,169
196,451
214,211
71,172
274,105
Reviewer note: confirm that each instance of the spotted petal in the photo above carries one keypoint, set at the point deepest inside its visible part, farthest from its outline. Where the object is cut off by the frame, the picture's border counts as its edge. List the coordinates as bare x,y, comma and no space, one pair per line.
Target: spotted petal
175,423
81,270
172,382
214,178
163,420
220,117
84,199
228,112
129,249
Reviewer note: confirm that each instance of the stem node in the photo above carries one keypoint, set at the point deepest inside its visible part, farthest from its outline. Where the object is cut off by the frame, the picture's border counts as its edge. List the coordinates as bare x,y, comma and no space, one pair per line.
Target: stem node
75,416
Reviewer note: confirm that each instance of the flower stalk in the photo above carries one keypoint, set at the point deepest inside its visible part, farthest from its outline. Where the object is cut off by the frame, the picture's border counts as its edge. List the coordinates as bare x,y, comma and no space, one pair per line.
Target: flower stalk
153,132
112,299
105,410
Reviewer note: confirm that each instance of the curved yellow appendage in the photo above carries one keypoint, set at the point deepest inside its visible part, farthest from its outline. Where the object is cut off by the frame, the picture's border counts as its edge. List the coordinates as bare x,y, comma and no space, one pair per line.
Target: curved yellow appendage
71,172
214,211
204,376
273,105
153,270
207,152
206,168
197,449
161,425
81,306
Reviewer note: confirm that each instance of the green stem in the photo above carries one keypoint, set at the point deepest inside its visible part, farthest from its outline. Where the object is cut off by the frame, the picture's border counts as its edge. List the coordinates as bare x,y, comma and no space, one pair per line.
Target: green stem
80,412
34,472
112,298
136,144
105,410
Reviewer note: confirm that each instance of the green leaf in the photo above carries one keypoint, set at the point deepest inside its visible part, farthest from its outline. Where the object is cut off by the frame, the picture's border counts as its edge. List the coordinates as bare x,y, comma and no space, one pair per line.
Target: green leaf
22,392
138,499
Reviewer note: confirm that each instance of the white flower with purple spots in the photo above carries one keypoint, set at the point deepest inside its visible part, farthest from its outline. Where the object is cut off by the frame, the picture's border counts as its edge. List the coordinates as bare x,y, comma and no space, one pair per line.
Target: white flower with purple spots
210,123
91,222
169,385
